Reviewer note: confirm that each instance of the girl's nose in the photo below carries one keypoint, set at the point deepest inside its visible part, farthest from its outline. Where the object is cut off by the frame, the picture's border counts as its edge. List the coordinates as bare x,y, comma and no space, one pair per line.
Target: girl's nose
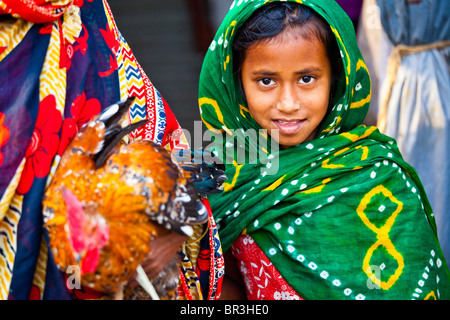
288,101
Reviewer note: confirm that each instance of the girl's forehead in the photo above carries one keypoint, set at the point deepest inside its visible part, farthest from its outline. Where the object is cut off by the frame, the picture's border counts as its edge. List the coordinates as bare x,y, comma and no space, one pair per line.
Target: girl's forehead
296,33
287,57
289,43
282,43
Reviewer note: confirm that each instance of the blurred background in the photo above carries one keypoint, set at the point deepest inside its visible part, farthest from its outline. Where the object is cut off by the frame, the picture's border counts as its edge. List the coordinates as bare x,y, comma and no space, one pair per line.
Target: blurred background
169,39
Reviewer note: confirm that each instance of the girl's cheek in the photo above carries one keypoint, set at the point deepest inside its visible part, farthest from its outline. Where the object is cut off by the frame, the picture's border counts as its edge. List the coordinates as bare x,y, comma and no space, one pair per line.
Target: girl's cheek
257,102
266,99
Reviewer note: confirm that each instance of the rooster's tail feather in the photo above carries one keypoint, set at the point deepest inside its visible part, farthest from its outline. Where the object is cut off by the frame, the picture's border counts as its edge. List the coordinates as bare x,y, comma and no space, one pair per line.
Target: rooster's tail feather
114,133
206,176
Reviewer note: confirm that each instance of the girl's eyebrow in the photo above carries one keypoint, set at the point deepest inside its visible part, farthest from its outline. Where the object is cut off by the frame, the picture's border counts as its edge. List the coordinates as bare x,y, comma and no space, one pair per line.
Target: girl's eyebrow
309,70
264,73
300,72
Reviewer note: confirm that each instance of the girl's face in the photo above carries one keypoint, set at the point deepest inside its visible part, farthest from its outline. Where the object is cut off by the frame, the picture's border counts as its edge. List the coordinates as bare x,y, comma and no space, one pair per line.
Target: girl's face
287,82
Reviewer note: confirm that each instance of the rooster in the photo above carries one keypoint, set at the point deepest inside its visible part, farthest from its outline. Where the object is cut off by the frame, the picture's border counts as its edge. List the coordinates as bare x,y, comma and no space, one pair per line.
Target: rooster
108,200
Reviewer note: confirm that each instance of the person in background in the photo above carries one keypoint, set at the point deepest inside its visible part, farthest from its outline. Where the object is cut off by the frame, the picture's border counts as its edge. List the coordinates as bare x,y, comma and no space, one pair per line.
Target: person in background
408,52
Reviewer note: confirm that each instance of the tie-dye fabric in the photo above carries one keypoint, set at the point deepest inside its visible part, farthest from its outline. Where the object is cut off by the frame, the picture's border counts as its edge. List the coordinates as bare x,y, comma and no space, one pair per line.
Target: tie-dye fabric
340,217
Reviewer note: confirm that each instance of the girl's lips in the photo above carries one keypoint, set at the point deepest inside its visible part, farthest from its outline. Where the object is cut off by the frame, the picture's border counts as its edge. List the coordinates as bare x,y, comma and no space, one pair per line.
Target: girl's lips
288,126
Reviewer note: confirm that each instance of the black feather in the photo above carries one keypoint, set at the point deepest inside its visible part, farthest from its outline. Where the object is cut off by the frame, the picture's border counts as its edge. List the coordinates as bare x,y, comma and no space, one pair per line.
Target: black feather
113,139
113,119
114,133
206,175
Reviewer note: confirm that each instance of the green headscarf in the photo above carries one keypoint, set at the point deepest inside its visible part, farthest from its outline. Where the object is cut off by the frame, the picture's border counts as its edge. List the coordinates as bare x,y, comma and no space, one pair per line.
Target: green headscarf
342,216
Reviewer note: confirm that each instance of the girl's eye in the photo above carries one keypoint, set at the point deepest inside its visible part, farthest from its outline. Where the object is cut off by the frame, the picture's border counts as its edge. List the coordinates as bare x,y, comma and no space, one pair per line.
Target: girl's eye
266,82
306,79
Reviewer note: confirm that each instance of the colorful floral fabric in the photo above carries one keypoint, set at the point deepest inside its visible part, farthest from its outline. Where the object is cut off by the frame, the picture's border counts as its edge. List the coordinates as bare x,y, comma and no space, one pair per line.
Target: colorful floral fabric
340,217
62,62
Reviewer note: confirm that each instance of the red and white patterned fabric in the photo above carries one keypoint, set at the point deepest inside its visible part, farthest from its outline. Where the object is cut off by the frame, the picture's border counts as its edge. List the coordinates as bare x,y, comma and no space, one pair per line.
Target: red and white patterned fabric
262,280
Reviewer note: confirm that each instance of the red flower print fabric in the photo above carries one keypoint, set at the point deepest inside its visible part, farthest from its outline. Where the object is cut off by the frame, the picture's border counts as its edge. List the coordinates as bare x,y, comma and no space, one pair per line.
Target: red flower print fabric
81,111
43,146
4,135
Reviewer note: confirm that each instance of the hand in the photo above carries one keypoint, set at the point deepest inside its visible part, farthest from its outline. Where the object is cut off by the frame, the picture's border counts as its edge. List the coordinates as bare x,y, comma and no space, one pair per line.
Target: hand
233,287
162,249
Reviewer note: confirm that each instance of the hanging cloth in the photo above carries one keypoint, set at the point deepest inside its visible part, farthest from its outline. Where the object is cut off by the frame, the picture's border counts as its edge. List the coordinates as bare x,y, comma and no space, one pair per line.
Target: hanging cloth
415,108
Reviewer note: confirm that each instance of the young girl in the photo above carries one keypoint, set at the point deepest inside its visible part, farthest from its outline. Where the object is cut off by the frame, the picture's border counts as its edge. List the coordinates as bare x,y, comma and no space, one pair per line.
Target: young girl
343,216
61,63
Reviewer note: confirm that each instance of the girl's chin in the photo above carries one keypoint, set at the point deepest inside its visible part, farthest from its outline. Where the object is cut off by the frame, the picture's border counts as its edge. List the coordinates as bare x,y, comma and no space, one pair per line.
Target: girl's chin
288,143
292,141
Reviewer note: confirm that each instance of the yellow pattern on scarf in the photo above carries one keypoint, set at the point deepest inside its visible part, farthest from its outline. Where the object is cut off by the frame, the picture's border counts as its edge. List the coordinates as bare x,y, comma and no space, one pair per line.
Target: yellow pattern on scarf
362,102
229,186
355,137
275,185
215,105
326,163
382,236
338,36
